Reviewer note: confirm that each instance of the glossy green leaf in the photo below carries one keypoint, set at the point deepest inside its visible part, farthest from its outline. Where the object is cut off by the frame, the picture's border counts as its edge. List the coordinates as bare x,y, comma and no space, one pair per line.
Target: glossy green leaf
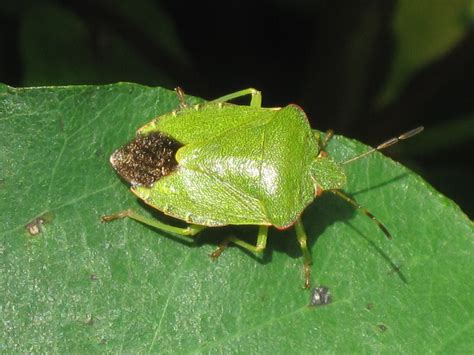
72,284
424,31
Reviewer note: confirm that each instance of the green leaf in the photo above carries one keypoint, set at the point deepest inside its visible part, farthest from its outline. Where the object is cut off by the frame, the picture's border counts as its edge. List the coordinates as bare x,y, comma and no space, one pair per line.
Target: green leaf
424,30
78,285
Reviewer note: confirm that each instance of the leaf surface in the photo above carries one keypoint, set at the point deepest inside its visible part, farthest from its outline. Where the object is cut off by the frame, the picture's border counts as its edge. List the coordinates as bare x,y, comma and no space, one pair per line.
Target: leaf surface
79,285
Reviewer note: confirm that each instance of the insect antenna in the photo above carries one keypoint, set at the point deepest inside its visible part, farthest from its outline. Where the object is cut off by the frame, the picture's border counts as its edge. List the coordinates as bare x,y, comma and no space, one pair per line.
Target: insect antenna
384,145
387,143
363,210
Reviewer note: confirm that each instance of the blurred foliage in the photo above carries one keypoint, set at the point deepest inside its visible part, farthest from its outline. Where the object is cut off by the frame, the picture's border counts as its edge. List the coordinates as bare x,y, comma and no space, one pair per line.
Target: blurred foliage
367,69
425,30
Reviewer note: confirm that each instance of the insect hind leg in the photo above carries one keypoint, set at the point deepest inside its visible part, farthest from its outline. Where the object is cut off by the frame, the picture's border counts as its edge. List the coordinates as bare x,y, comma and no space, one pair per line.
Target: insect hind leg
189,231
255,101
181,97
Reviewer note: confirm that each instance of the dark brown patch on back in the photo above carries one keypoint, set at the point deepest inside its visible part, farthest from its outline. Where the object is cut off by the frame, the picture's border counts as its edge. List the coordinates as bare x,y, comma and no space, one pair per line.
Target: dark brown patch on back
146,159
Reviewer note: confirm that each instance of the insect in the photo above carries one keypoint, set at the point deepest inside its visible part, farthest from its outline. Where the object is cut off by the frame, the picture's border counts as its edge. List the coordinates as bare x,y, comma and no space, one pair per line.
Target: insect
217,164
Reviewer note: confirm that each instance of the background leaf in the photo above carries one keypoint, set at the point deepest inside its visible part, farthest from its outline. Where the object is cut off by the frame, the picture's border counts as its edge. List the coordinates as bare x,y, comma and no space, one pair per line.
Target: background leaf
80,285
424,30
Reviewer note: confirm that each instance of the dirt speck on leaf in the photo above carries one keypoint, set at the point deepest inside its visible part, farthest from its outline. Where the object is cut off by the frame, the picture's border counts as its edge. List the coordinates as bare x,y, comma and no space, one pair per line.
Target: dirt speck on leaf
35,226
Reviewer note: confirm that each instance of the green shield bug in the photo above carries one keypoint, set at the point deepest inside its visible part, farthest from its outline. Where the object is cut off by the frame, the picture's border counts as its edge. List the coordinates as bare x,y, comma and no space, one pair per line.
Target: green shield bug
217,164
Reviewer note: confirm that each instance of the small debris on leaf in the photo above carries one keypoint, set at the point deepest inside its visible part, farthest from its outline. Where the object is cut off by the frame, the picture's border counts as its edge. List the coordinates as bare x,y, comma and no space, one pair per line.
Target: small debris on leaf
35,226
320,296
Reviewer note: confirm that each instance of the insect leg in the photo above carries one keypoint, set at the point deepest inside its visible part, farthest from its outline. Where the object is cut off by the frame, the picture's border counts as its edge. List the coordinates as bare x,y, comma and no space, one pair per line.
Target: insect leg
257,249
189,231
327,137
364,211
308,261
181,97
323,142
255,101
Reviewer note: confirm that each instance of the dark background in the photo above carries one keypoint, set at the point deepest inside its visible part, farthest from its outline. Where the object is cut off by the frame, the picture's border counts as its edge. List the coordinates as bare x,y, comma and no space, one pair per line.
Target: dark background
367,69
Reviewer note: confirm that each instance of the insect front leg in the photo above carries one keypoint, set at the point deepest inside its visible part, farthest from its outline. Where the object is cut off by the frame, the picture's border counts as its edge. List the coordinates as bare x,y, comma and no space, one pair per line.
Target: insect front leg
323,141
255,101
308,261
189,231
363,210
257,249
327,137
